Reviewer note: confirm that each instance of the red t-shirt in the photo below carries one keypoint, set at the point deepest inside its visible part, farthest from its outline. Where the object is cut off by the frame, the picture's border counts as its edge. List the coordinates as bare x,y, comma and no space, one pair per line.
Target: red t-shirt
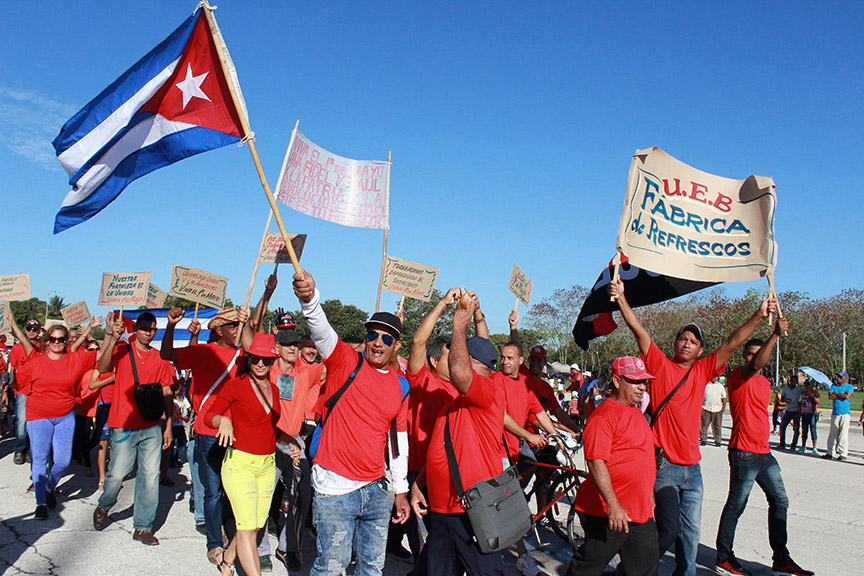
677,429
519,403
544,393
476,427
620,436
87,397
749,403
151,368
294,390
53,384
355,436
429,394
316,369
254,426
17,358
208,363
106,393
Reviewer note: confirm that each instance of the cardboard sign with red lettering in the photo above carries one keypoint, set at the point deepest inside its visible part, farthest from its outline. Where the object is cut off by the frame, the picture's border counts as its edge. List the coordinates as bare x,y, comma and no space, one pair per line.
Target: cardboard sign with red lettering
198,286
75,314
409,278
155,297
274,249
520,285
124,288
15,287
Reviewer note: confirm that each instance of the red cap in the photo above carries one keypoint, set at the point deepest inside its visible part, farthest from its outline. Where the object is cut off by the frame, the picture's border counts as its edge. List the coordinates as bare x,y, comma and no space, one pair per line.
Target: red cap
631,368
538,351
263,346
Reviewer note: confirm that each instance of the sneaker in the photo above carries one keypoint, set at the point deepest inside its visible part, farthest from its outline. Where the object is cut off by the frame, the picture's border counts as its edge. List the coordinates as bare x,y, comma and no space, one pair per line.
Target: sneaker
18,459
526,565
802,450
790,568
28,458
731,567
290,559
816,452
51,499
266,563
41,512
827,456
841,458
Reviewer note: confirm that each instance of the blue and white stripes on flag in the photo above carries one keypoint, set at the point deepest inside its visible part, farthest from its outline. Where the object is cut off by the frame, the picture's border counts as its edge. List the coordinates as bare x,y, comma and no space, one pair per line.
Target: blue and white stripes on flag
181,334
172,104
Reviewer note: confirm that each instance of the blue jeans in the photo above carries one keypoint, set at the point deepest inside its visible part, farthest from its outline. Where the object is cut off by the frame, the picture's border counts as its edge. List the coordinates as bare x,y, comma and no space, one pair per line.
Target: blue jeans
365,511
808,424
21,443
208,459
145,444
795,418
197,491
744,469
50,438
678,513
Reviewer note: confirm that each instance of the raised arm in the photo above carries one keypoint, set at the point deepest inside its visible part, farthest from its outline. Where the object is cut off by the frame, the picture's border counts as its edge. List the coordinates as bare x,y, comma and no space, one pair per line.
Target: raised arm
322,333
760,360
106,356
261,308
417,353
480,327
83,336
743,332
167,351
25,343
461,372
643,339
513,320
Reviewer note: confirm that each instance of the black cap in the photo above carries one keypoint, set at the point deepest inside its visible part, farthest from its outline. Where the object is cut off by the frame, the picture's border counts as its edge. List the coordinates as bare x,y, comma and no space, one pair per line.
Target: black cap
385,319
483,351
287,337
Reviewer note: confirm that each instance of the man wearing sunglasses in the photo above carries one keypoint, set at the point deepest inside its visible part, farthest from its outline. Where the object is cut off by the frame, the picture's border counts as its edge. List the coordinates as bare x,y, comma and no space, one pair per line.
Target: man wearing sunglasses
348,472
18,355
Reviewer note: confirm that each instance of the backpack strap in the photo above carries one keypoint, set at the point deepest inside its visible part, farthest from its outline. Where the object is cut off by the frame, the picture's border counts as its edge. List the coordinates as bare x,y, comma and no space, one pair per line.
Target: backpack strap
656,413
394,445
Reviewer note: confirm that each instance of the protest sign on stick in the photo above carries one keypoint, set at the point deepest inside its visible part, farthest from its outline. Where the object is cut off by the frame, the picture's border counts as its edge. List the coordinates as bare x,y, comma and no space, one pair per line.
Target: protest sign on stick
5,318
520,285
409,278
15,287
155,297
273,248
124,289
75,314
685,223
198,286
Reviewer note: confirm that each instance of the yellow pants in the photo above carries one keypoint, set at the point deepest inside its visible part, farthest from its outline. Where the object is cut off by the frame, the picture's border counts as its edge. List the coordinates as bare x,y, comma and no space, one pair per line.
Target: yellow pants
249,481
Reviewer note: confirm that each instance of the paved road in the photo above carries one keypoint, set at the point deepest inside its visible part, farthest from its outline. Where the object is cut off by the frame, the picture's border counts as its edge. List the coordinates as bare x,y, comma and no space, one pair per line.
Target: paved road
826,523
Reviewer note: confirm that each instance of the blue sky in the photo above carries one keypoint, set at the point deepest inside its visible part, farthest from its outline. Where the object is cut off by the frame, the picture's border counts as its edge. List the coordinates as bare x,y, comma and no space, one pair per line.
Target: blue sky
511,125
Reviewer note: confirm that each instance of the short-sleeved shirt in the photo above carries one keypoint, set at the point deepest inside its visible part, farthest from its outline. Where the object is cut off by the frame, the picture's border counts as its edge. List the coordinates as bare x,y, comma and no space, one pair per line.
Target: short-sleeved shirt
840,406
676,430
544,393
17,358
254,426
354,437
315,370
124,411
88,397
793,397
54,383
293,390
748,404
714,395
620,436
521,404
207,362
429,394
476,428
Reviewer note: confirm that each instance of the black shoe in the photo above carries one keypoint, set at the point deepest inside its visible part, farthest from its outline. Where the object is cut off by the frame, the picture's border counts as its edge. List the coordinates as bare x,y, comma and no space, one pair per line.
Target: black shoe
290,560
731,567
28,458
399,551
51,499
201,529
18,459
702,443
790,568
827,456
265,564
41,513
191,505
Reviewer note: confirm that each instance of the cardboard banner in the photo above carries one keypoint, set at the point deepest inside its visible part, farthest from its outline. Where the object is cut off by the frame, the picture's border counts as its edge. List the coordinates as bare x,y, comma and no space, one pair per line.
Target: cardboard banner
76,314
345,191
409,278
15,287
685,223
198,286
520,285
274,249
155,297
124,289
51,322
5,318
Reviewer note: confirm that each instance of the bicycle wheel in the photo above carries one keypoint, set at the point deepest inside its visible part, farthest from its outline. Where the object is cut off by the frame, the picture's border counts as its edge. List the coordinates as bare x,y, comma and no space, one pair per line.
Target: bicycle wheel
563,492
575,533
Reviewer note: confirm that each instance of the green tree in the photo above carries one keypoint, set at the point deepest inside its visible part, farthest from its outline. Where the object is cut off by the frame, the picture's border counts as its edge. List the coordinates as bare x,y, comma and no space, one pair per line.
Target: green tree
346,319
32,309
55,304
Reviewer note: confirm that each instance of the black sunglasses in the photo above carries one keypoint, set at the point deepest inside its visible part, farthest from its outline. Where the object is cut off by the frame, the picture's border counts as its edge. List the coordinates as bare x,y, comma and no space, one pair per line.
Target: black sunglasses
31,329
372,335
57,339
266,361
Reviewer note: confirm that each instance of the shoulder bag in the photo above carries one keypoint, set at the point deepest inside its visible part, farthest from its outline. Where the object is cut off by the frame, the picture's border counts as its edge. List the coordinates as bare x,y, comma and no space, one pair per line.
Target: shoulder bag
148,397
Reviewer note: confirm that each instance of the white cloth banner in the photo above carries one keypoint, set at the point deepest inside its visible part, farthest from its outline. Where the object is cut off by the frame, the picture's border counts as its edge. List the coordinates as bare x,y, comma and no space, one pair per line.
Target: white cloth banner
345,191
682,222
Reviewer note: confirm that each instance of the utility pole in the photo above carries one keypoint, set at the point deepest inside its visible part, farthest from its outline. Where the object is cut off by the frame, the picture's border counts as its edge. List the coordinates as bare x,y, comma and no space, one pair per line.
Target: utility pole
844,351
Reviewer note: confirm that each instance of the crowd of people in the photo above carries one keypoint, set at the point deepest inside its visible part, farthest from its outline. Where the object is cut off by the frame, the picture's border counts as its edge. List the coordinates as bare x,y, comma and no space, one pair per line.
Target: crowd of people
278,420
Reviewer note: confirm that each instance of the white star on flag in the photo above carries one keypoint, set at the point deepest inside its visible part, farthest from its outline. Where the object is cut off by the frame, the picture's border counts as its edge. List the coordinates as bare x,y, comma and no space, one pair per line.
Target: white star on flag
191,86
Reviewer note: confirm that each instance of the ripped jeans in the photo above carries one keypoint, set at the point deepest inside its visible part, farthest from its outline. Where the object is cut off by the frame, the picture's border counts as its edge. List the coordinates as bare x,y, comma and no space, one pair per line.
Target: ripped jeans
336,518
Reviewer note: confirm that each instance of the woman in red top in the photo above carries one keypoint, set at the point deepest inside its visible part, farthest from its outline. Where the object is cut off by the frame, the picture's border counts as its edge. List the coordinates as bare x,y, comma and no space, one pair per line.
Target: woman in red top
53,381
245,413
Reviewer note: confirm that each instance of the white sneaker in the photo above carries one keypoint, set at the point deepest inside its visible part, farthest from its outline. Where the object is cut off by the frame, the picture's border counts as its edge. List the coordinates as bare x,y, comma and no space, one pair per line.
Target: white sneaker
526,565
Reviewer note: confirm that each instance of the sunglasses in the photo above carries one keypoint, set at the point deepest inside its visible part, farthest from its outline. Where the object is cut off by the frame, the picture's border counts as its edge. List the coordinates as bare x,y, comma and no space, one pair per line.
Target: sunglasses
260,359
32,329
57,339
372,336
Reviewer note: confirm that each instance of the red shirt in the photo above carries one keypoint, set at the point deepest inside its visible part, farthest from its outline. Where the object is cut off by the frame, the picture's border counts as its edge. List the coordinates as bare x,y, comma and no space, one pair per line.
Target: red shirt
293,390
207,362
53,384
476,427
87,397
316,370
620,436
677,429
254,426
544,393
354,439
17,358
151,368
519,403
748,405
429,394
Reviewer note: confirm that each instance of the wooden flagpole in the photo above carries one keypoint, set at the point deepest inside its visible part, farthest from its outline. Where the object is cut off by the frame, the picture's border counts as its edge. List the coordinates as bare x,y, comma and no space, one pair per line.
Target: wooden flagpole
402,304
257,261
387,229
615,273
196,312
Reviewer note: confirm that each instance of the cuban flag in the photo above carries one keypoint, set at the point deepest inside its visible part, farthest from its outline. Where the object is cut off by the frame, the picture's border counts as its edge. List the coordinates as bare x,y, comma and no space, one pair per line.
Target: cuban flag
173,103
181,334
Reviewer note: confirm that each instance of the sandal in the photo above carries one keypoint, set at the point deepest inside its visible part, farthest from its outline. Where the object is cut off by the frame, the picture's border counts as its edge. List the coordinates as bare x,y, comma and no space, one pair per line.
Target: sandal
215,555
223,565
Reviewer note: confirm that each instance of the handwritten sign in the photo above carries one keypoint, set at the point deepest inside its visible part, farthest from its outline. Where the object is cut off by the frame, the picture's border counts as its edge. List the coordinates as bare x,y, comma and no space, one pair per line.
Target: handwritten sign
15,287
51,322
682,222
274,249
345,191
124,288
155,297
198,286
5,318
75,314
520,285
409,278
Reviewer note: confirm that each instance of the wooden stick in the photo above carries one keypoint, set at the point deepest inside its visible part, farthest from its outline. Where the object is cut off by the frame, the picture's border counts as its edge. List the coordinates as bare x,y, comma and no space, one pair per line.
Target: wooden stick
770,294
615,273
516,306
384,252
257,261
121,312
402,304
196,312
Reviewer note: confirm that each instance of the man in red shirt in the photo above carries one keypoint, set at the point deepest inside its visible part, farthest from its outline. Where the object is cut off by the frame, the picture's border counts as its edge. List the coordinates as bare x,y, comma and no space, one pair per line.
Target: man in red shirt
679,388
616,508
750,460
476,422
132,436
18,355
348,472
